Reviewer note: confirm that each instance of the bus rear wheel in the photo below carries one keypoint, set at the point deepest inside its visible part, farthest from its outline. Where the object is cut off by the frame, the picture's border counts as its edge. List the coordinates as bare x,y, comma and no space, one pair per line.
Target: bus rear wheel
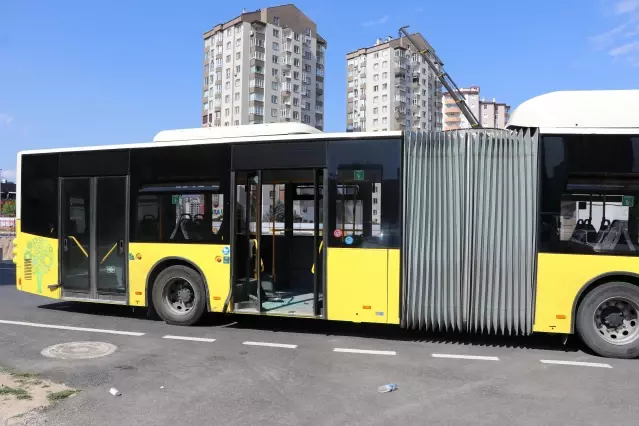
179,296
608,320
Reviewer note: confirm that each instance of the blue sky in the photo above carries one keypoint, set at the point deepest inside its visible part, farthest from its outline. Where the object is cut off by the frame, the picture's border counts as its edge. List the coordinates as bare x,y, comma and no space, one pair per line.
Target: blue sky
76,73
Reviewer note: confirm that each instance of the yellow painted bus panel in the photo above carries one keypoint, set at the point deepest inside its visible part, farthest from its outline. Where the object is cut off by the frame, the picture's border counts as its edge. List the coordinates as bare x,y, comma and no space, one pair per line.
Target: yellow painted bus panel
36,260
560,277
394,282
208,257
357,285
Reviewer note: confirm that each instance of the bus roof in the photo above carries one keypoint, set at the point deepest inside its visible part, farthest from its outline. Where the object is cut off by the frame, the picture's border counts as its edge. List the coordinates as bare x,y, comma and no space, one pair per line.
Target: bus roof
591,111
232,134
204,133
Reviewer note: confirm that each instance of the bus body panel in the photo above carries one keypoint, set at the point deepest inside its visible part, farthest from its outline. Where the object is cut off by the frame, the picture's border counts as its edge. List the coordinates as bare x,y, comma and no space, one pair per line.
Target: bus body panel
560,280
394,285
357,285
208,258
36,260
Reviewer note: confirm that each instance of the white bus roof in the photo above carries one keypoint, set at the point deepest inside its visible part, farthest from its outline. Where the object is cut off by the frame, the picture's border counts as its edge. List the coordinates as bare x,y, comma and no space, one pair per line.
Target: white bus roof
591,111
205,133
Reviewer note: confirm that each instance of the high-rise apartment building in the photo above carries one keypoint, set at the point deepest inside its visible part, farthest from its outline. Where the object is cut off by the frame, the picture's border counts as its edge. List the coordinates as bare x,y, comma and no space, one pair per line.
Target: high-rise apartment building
453,117
391,88
265,66
491,114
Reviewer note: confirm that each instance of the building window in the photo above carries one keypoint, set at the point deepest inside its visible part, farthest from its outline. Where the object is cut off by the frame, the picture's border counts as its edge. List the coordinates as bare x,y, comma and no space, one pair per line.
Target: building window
274,99
375,110
275,59
236,96
296,75
296,49
227,112
275,85
238,55
228,58
375,88
276,46
296,62
237,69
276,32
237,109
227,99
276,20
238,42
385,86
273,112
296,115
296,102
228,45
275,72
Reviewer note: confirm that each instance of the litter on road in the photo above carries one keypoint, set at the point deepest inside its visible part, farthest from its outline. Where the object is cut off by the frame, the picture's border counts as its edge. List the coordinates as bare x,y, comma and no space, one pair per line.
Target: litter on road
115,392
387,388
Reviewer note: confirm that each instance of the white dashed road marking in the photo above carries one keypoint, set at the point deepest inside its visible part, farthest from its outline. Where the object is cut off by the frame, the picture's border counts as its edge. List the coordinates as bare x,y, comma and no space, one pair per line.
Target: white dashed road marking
473,357
194,339
271,345
576,363
66,327
364,351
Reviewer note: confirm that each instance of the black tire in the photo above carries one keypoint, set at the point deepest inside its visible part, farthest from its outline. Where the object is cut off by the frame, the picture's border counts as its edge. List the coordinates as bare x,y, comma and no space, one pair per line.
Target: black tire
585,320
162,306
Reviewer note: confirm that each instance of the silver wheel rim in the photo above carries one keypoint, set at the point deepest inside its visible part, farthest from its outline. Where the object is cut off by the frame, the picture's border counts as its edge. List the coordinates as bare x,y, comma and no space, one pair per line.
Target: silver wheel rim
179,296
616,320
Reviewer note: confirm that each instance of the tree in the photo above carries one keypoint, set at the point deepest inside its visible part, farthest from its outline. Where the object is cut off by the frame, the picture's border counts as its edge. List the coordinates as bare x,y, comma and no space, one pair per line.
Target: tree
275,213
9,208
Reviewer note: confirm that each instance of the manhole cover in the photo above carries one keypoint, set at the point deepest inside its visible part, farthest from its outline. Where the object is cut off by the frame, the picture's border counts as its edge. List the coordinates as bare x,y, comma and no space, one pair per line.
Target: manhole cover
79,350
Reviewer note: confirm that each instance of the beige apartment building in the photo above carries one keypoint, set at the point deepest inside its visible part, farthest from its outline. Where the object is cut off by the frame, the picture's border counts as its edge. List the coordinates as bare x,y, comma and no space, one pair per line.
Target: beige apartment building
491,114
265,66
390,88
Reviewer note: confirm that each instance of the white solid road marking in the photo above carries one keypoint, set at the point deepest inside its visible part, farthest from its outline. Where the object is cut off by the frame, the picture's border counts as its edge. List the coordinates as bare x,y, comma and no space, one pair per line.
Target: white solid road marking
577,363
66,327
195,339
271,345
473,357
364,351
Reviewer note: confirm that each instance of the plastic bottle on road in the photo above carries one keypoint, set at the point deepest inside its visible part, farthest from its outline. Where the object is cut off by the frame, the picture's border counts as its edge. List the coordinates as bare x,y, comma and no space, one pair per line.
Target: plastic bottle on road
387,388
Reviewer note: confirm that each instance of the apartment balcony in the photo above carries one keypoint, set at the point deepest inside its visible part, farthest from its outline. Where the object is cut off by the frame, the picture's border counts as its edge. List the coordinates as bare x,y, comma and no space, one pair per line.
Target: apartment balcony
286,90
400,81
362,107
319,111
362,96
400,114
319,90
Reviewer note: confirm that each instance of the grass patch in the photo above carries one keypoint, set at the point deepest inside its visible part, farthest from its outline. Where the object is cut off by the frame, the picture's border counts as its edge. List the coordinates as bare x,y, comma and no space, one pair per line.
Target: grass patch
59,396
24,376
17,392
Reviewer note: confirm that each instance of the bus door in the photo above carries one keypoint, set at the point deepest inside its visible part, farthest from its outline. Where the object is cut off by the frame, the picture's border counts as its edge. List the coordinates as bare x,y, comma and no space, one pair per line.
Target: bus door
94,238
278,267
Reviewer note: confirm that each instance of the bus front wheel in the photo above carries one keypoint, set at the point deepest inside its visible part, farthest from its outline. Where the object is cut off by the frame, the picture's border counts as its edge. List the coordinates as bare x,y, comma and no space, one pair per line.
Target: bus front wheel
608,320
179,296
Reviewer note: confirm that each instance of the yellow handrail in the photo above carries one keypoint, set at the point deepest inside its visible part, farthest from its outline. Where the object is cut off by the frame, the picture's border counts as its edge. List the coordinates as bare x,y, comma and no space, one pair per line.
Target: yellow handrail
79,245
109,253
319,251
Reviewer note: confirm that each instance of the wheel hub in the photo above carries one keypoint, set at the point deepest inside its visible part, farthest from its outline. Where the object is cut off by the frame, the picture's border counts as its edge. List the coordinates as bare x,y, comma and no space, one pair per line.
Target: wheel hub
616,320
184,295
179,296
612,317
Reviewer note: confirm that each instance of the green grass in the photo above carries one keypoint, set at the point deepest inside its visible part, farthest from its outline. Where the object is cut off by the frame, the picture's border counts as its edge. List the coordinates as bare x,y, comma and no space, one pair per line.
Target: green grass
59,396
17,392
24,375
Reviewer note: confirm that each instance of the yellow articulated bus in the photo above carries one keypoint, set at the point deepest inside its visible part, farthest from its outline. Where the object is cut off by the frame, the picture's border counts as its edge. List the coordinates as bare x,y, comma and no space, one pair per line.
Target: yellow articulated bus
530,229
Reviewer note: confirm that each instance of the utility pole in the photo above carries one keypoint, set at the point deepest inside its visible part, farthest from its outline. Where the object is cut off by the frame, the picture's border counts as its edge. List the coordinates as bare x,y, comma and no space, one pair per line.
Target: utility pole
433,60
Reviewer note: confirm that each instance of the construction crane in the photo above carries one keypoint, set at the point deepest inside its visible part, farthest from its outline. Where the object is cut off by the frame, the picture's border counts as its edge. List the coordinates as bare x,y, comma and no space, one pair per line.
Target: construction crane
433,60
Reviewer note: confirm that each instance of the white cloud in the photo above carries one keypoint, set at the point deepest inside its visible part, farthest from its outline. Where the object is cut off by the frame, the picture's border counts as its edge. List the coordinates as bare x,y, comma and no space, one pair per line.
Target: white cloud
625,49
621,41
380,21
6,119
9,175
622,7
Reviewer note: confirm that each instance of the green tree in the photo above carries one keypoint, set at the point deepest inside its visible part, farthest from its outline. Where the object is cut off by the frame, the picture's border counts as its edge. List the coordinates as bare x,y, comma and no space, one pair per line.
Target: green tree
8,208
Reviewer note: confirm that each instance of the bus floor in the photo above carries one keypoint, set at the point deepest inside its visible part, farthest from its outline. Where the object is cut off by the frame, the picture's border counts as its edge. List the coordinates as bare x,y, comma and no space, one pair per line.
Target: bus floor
293,303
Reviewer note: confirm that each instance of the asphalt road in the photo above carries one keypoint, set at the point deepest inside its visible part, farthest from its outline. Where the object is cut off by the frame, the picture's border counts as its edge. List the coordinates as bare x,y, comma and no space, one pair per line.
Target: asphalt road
247,370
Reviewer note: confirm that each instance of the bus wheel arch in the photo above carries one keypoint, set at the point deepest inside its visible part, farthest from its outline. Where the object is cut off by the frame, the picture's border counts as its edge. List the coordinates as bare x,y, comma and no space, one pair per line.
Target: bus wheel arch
606,315
172,262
